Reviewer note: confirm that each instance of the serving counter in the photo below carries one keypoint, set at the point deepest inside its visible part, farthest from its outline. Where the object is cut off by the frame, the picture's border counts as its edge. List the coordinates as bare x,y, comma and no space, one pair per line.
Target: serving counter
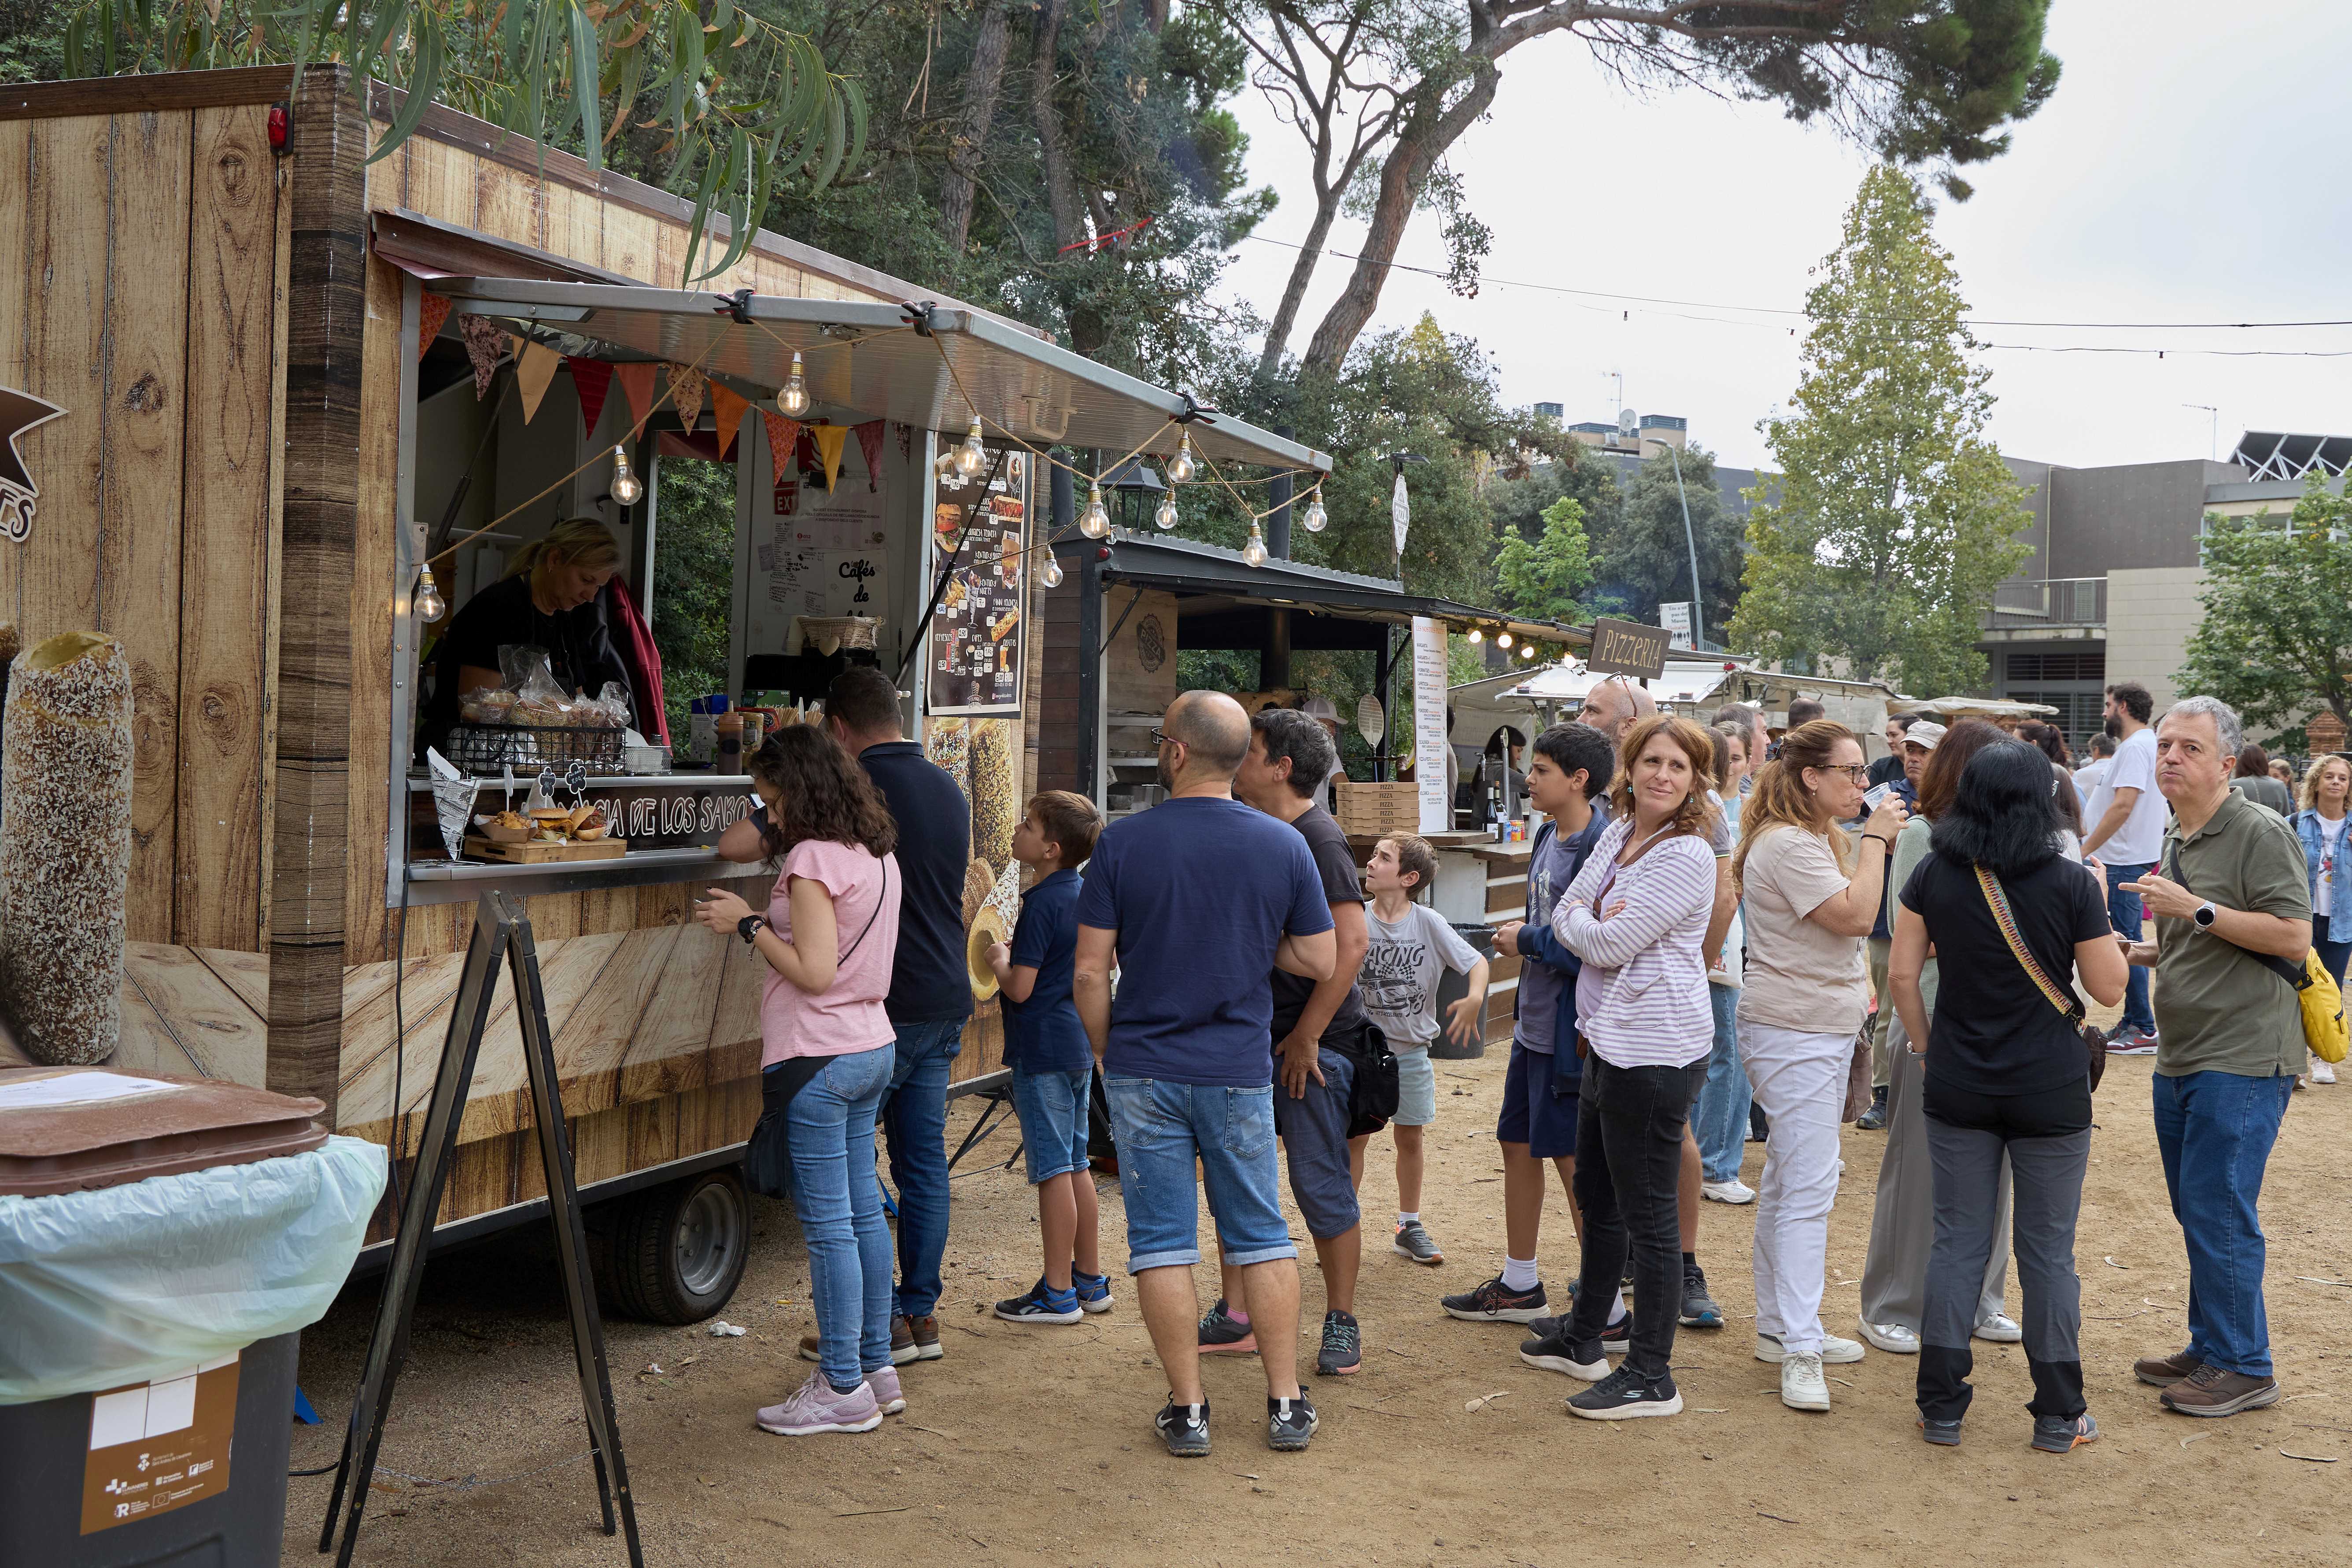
671,822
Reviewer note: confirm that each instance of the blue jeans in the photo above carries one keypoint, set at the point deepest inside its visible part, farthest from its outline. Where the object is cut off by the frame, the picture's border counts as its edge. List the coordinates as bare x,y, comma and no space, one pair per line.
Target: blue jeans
915,1119
830,1130
2214,1132
2125,913
1163,1129
1720,1121
2331,937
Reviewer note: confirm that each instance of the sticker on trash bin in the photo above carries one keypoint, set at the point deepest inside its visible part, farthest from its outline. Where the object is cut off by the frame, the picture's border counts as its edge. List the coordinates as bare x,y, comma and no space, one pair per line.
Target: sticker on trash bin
155,1446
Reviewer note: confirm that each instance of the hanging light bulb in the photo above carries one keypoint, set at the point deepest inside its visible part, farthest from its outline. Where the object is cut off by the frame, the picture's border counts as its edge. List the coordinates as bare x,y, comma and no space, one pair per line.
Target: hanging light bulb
1253,552
1050,573
1165,516
973,455
1095,521
793,400
627,486
1180,466
1503,639
1476,636
1527,651
429,604
1317,518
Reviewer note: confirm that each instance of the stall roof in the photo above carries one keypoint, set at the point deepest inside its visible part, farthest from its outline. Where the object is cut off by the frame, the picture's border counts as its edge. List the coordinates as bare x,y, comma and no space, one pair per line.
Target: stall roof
1189,568
1964,707
923,363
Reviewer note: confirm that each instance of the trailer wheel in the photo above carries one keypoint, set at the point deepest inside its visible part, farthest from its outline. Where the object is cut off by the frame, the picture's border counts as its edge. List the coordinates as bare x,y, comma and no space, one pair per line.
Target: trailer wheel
674,1254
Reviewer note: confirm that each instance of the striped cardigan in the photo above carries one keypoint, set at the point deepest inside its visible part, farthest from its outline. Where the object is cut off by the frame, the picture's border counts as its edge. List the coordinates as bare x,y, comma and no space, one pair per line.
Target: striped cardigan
1644,967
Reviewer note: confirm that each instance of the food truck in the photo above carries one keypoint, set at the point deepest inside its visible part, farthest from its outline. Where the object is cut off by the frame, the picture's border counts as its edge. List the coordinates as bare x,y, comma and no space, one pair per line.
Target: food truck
282,381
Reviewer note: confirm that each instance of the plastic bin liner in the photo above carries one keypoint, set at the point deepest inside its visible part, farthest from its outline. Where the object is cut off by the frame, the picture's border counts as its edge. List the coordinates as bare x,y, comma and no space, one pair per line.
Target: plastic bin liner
131,1283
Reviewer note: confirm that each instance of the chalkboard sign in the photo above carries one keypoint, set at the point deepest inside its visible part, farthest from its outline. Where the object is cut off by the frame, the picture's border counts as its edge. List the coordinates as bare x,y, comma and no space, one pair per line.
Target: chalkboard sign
1626,648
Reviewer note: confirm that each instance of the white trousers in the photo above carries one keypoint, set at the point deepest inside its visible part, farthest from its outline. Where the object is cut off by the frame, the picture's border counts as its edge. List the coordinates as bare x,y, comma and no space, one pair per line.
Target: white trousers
1799,1080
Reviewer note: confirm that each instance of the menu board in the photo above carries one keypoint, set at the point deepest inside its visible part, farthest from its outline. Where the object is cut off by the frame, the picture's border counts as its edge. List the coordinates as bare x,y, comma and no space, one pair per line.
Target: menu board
978,633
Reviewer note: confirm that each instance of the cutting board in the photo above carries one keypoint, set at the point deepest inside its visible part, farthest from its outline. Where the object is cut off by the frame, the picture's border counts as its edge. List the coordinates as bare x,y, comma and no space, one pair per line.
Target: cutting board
538,854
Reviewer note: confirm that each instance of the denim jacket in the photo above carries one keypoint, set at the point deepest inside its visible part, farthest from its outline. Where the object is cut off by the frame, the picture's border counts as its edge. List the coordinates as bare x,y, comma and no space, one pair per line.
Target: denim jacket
1539,945
2307,828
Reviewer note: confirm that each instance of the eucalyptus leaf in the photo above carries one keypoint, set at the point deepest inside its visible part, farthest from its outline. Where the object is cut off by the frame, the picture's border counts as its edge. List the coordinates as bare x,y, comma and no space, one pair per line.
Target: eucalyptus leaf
585,84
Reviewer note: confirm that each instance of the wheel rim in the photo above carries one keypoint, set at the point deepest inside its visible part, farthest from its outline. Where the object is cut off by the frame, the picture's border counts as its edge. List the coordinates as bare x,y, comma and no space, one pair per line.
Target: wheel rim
705,1239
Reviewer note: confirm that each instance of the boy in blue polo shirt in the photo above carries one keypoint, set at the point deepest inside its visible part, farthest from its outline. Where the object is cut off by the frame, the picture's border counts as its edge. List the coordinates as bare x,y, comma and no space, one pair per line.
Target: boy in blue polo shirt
1052,1061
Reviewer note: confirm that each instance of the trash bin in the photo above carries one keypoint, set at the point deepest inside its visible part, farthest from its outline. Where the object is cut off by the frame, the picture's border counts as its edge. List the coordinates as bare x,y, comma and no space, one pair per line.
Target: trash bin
1451,988
163,1242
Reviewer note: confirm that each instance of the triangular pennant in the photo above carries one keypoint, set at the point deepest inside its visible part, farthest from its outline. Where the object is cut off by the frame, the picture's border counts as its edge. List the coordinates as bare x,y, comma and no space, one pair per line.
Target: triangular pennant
487,342
830,441
870,441
636,379
533,371
685,393
592,380
727,408
432,314
784,437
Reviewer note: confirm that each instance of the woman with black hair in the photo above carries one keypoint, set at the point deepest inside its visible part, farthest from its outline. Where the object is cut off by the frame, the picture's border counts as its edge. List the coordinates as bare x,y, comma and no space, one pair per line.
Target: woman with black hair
2005,1073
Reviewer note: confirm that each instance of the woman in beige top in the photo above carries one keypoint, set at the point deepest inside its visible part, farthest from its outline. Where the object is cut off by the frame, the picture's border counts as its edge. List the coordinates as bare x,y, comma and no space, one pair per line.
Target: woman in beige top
1807,905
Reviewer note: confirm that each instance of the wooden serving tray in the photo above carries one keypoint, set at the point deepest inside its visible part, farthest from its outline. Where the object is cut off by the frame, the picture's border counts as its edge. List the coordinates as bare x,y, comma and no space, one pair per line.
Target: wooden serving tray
536,854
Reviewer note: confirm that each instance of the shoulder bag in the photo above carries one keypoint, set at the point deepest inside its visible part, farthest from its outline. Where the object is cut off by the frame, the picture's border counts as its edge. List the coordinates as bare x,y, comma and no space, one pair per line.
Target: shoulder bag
2094,1044
2316,993
768,1157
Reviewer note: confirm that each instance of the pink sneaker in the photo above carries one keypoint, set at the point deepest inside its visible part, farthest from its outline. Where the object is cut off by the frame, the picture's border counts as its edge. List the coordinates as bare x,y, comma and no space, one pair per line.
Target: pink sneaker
814,1408
884,1380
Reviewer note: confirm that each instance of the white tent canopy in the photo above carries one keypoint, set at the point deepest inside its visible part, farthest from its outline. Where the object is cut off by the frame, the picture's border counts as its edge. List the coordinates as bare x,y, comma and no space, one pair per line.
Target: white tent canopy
1693,686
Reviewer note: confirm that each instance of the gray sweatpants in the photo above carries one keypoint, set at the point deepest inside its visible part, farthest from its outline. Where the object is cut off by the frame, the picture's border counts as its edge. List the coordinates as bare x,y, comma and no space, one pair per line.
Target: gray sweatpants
1902,1226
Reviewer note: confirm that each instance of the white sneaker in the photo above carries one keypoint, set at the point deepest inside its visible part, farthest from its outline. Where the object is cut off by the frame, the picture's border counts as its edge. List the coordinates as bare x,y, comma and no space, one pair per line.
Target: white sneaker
1834,1351
2320,1072
1802,1385
1999,1329
1891,1338
1733,1191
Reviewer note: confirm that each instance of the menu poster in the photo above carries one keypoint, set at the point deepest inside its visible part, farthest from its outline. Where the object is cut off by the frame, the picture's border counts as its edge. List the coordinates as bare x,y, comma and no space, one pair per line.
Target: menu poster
977,633
816,552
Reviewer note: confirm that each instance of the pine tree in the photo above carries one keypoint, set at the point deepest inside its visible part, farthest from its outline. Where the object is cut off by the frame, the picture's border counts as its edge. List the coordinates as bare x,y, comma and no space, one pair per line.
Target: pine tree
1545,578
1892,517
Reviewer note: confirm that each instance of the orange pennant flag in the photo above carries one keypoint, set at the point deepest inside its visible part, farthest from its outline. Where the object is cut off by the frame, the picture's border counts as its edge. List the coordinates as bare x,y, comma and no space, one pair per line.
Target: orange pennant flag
636,381
830,440
783,435
432,314
686,394
727,408
533,371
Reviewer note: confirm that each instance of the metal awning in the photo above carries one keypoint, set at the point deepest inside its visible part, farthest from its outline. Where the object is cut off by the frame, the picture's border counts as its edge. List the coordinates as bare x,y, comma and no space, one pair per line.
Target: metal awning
920,364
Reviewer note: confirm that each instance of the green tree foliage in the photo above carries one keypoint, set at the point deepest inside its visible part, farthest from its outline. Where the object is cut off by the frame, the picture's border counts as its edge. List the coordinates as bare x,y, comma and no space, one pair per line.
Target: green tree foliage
694,579
1548,578
1895,517
1642,556
1519,502
2276,640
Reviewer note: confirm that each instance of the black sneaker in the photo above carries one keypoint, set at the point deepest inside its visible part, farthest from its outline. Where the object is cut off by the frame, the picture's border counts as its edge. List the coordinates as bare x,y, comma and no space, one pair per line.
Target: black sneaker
1624,1395
1615,1340
1343,1347
1699,1311
1221,1335
1943,1434
1555,1351
1289,1424
1493,1302
1873,1120
1184,1428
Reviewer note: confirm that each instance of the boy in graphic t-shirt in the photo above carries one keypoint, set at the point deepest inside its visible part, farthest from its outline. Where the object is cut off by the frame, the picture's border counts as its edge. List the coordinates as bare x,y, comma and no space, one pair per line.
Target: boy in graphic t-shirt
1410,947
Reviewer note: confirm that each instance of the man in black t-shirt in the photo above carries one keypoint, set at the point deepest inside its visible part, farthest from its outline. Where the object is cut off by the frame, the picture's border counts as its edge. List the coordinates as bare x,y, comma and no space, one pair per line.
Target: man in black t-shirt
1289,755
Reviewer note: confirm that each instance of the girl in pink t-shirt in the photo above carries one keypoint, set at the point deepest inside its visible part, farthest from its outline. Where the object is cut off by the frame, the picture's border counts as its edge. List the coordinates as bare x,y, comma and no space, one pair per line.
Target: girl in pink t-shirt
828,937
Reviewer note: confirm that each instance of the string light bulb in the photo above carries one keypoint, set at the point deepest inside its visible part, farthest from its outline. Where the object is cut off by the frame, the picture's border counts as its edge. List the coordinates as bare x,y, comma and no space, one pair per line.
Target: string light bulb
429,604
1164,515
627,486
1050,572
1095,521
1180,466
793,400
1476,636
1503,639
973,455
1527,651
1317,518
1253,552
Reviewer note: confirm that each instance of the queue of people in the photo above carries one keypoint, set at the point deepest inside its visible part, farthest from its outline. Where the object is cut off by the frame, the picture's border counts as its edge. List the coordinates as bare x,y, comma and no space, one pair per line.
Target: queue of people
1697,938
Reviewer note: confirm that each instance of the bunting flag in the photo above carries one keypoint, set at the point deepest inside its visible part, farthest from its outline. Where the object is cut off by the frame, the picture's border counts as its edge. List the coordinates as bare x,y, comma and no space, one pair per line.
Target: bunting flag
592,380
636,379
433,312
685,393
487,342
783,438
728,409
870,441
533,373
830,439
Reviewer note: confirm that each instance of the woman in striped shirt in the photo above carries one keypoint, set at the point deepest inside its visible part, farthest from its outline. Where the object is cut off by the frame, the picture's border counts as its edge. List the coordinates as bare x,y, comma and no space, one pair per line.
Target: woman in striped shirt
1637,915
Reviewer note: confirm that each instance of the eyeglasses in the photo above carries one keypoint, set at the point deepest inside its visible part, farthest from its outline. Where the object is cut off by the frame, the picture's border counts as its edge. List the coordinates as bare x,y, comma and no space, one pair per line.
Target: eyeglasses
1163,738
1858,772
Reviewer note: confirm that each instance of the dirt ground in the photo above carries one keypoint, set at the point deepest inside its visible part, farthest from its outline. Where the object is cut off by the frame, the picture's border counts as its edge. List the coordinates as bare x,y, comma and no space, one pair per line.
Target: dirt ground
1033,1444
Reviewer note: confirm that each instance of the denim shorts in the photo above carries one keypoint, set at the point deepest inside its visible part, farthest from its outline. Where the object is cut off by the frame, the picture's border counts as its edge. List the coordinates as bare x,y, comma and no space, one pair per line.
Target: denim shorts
1314,1131
1053,1110
1416,1086
1532,1114
1161,1129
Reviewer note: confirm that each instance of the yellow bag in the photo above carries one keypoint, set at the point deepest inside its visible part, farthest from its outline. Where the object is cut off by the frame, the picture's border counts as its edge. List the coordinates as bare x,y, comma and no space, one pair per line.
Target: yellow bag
2323,1012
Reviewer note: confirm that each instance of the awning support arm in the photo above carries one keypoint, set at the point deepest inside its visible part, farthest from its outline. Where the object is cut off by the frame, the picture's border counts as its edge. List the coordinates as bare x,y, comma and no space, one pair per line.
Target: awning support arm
1113,634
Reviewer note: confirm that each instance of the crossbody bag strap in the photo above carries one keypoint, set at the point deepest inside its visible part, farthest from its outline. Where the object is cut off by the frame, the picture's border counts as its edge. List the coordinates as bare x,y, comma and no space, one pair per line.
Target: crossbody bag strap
878,897
2064,1000
2295,974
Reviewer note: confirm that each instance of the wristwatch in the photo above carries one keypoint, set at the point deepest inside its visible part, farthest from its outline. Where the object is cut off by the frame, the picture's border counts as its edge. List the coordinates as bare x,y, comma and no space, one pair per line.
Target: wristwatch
749,927
2204,915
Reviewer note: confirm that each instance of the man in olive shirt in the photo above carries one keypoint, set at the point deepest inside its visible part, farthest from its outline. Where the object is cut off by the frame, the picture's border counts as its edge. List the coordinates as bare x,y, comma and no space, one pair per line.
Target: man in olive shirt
2229,898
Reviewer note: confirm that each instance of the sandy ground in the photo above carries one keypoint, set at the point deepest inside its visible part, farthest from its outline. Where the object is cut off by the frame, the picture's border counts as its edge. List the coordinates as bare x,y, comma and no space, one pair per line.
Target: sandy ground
1033,1444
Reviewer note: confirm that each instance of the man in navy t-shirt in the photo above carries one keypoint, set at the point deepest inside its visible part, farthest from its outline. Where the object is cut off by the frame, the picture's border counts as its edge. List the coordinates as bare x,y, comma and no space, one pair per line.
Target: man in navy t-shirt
1200,898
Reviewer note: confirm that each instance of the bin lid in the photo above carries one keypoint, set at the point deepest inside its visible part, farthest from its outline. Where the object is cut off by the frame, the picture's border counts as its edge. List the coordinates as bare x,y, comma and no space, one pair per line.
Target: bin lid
65,1129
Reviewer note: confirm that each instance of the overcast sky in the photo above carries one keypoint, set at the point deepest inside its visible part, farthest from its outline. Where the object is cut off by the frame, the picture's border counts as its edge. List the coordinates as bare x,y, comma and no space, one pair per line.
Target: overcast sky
2183,172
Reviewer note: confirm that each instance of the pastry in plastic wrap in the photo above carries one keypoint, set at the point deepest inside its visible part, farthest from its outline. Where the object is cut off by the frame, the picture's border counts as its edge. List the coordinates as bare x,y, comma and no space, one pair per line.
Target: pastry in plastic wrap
65,846
995,791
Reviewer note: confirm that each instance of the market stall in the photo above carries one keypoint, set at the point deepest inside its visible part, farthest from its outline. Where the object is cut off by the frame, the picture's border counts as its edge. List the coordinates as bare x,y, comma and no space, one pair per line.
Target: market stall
1692,686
